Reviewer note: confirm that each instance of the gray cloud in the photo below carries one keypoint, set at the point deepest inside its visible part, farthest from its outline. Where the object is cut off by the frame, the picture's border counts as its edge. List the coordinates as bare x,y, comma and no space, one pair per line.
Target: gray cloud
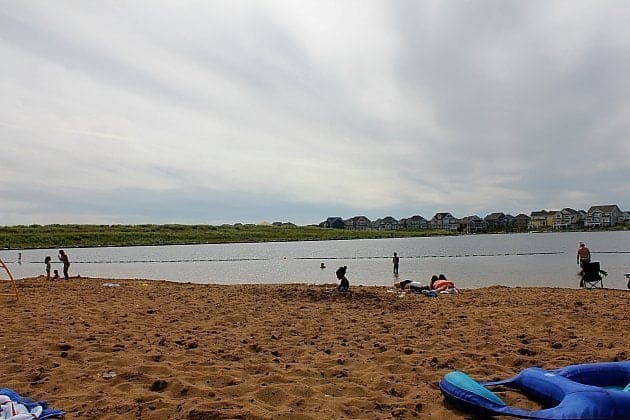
297,111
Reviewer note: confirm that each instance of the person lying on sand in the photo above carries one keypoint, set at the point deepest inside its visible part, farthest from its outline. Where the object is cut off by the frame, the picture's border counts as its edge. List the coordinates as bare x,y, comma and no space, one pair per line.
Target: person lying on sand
442,284
413,286
438,283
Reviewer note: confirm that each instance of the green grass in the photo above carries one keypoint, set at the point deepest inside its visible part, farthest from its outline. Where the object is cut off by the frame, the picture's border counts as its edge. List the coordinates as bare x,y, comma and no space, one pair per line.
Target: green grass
59,236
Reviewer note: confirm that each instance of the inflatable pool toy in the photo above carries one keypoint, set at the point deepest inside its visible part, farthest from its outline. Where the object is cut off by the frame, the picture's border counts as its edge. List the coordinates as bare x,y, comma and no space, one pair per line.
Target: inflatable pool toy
585,391
15,407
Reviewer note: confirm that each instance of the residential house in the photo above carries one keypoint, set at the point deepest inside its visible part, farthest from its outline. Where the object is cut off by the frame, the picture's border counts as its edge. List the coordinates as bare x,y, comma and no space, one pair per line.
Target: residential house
358,223
472,224
602,216
496,221
333,223
386,223
583,215
522,221
444,221
543,219
567,218
414,222
625,218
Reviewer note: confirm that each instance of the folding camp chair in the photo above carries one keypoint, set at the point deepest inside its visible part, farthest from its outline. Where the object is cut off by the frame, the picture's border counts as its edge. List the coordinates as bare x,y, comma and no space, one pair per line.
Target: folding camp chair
592,276
12,285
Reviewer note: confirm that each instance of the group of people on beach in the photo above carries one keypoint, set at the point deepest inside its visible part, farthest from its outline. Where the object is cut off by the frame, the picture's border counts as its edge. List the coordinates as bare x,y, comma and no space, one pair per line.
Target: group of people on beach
63,257
438,283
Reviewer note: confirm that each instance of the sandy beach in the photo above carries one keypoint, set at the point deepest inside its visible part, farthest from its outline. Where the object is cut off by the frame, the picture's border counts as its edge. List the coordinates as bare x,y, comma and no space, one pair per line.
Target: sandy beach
162,350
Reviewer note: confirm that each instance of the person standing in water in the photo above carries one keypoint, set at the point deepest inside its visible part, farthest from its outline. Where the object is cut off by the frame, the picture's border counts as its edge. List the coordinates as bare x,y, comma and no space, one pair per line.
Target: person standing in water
395,261
66,263
583,254
47,262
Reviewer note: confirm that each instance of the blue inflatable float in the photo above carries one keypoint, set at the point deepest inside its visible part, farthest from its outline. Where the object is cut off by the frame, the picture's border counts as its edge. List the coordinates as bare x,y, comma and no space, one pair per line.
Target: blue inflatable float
587,391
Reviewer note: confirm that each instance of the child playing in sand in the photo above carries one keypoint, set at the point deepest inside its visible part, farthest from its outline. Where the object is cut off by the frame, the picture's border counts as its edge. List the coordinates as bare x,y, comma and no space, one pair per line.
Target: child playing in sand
56,275
344,284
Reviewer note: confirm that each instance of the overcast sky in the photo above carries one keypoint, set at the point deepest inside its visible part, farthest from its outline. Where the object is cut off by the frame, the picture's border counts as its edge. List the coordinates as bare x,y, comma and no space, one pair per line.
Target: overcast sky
243,111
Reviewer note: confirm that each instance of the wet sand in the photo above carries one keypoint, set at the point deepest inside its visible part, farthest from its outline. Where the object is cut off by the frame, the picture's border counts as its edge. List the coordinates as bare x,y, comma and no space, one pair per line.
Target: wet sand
163,350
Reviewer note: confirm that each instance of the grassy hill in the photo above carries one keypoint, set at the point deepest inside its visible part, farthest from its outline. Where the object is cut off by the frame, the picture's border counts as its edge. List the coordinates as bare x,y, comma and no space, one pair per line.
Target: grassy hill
57,236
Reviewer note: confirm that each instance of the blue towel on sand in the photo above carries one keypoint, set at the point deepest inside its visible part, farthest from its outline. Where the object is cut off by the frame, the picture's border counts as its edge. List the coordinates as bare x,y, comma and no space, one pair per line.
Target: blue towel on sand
30,404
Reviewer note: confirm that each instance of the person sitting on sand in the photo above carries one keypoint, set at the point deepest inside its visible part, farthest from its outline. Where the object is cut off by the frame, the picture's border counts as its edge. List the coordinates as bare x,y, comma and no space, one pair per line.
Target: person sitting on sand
442,284
344,284
56,275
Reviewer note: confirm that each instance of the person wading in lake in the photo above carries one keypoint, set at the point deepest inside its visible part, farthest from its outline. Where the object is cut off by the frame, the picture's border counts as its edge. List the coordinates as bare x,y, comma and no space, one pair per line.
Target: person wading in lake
66,263
395,261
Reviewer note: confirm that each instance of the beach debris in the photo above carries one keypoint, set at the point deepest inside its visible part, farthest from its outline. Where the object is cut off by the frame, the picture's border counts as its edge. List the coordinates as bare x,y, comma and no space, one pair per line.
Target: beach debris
110,285
108,375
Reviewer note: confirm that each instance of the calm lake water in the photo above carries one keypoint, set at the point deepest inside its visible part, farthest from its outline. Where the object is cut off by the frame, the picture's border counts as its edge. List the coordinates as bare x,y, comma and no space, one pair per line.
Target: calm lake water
538,259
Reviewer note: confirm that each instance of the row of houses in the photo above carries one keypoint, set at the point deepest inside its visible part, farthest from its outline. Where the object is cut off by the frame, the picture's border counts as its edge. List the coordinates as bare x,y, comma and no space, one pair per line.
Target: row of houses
596,217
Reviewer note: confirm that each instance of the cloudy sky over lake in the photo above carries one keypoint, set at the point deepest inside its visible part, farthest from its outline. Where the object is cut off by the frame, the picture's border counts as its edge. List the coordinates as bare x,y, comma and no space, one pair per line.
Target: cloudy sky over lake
243,111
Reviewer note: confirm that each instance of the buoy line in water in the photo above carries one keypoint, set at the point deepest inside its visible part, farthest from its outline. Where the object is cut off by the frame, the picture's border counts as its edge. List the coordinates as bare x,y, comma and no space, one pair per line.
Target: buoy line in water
194,260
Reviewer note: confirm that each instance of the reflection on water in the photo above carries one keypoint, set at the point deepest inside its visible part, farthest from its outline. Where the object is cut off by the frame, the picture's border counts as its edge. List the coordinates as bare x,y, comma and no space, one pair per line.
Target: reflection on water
471,261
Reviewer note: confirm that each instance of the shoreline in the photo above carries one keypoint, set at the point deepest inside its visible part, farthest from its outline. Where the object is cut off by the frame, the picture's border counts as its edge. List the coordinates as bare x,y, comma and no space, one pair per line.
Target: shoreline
160,349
